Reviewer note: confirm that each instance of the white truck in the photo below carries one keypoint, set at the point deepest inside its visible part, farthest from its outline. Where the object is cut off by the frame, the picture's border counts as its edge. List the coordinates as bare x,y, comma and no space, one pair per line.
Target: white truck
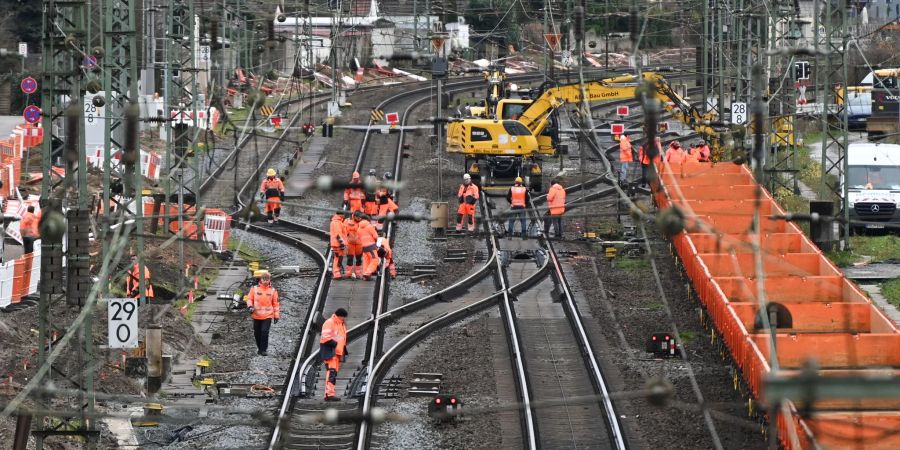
873,189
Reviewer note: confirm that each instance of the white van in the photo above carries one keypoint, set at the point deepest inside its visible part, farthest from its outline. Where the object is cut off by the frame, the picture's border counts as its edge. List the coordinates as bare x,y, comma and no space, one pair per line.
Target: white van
873,189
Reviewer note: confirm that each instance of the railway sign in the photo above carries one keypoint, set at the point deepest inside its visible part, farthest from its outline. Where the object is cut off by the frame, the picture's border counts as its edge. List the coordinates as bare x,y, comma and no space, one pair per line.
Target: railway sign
23,49
622,111
29,85
801,70
205,51
32,114
89,62
739,113
122,321
552,40
392,118
617,128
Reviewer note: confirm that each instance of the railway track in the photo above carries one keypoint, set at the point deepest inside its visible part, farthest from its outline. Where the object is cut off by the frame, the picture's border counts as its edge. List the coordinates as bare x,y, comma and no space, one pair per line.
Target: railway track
367,338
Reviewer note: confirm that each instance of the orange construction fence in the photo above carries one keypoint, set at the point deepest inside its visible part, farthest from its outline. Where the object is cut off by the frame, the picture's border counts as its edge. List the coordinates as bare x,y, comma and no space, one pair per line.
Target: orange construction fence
819,314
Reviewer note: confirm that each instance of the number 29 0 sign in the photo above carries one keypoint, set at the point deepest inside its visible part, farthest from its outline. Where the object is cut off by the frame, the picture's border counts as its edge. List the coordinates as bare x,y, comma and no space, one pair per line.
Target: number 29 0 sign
123,322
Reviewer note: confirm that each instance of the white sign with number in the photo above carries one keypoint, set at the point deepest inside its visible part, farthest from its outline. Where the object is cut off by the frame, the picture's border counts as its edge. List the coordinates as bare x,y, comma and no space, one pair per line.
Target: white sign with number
205,50
94,121
122,315
23,49
739,113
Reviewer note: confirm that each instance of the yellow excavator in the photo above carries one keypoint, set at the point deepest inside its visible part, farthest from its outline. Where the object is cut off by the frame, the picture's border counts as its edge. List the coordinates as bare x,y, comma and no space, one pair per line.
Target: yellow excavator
512,141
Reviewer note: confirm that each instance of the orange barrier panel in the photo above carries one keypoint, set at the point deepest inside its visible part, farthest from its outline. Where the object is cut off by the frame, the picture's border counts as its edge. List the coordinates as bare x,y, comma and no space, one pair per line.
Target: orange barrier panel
22,277
743,264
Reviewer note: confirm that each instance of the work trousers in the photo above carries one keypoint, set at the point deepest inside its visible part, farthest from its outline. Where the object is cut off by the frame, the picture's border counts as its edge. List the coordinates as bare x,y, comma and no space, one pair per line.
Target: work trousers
28,243
465,210
623,172
371,261
273,207
556,221
645,174
332,366
517,212
261,333
336,259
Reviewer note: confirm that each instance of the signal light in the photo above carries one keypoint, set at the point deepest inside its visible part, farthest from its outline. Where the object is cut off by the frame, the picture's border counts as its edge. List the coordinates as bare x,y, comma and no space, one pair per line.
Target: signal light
452,400
437,401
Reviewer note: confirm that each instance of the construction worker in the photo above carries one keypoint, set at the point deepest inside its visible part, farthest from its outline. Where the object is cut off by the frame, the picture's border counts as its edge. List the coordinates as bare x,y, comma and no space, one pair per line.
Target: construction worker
28,227
386,205
646,162
368,238
704,152
625,157
265,308
332,349
338,244
132,281
353,251
386,253
675,154
272,191
556,204
468,196
518,198
370,205
354,196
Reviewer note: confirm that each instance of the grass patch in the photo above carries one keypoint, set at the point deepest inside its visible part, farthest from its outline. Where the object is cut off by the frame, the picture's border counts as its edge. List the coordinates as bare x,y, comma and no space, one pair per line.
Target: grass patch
875,248
793,203
247,253
632,264
891,291
687,336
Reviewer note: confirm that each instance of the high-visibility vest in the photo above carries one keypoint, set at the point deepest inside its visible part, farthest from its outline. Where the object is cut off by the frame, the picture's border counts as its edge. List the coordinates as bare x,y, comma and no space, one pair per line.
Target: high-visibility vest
272,187
556,199
336,230
29,225
518,195
264,301
133,282
351,231
334,329
674,155
368,235
645,158
384,247
625,149
704,153
354,193
468,190
387,207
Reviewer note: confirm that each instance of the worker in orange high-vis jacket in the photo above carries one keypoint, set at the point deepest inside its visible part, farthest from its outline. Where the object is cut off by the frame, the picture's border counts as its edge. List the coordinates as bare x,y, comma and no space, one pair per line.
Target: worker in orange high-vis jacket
625,157
556,204
28,227
332,349
517,196
272,190
368,238
355,195
386,253
132,281
338,244
265,308
675,154
468,196
370,204
646,162
354,248
386,206
704,153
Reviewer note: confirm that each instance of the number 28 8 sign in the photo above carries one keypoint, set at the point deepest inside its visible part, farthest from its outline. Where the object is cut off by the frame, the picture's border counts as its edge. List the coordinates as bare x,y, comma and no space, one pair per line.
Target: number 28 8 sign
122,316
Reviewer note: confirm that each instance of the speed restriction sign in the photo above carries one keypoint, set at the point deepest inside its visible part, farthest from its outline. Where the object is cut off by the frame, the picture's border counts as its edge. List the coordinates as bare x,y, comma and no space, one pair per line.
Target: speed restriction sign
122,318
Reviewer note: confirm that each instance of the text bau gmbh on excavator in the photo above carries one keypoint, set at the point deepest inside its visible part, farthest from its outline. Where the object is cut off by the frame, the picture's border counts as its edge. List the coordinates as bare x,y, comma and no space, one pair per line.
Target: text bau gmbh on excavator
511,140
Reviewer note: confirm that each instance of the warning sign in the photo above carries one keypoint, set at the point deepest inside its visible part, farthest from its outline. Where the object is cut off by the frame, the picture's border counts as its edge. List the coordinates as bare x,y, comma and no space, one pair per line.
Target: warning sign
392,118
437,43
617,128
622,111
552,40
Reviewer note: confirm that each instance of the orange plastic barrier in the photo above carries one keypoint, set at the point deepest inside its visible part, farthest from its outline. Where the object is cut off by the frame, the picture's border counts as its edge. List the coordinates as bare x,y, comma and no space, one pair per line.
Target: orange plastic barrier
819,314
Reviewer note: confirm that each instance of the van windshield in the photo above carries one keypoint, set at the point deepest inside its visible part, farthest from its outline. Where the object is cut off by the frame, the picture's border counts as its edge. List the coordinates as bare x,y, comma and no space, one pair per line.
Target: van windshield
874,177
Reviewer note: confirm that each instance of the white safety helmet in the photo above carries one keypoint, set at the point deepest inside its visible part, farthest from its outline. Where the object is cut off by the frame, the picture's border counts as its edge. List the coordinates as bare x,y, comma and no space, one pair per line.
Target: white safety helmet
467,177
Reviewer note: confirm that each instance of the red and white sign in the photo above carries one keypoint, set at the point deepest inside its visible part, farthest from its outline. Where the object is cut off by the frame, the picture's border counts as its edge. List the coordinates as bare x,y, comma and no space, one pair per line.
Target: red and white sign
552,40
276,121
663,127
617,128
392,118
622,111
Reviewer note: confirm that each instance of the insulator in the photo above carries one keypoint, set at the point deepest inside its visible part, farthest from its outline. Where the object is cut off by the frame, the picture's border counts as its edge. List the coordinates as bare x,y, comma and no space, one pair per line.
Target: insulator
72,119
132,133
578,20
